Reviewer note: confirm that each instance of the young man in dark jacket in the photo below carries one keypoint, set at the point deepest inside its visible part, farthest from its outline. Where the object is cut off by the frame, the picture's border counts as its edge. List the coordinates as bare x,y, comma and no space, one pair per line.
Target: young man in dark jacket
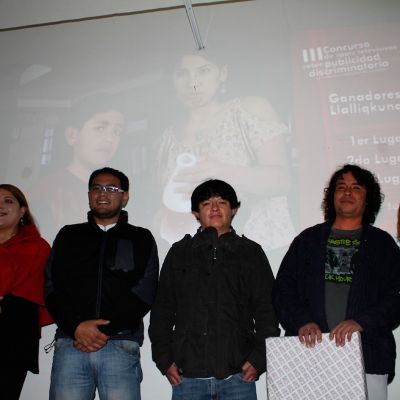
101,280
343,276
213,307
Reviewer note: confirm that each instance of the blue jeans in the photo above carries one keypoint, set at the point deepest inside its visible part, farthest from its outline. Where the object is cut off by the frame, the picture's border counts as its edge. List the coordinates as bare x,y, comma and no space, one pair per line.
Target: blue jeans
114,370
233,388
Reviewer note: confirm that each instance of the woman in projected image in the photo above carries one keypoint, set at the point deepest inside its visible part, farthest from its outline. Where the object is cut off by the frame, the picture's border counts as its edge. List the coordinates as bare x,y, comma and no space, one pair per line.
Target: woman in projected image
23,254
240,140
92,131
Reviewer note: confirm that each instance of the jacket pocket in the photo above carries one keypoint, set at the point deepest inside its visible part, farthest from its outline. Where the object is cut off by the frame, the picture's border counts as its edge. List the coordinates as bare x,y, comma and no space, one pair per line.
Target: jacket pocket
124,257
178,348
239,348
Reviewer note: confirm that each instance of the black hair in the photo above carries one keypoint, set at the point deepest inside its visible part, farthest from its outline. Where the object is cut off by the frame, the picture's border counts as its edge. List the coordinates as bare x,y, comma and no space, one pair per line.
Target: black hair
214,187
108,170
79,112
374,196
85,108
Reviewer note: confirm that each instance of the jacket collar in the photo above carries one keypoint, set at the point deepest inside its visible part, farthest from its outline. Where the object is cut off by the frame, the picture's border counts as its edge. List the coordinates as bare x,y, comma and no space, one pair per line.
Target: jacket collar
327,226
122,219
210,236
364,226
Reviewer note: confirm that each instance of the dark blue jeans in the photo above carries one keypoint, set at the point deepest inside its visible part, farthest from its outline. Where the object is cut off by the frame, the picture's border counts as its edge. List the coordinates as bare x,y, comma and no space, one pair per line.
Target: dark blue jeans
114,370
233,388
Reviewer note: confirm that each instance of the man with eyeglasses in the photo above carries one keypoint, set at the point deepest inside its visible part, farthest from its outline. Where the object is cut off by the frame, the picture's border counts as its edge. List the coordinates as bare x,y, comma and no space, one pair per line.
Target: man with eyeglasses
343,276
101,280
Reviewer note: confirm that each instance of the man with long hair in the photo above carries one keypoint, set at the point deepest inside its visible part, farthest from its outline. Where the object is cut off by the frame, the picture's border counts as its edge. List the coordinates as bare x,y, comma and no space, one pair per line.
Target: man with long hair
343,276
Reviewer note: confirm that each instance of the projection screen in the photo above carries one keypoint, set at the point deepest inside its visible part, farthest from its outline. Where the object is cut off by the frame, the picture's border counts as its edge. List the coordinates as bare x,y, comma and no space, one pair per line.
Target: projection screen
283,93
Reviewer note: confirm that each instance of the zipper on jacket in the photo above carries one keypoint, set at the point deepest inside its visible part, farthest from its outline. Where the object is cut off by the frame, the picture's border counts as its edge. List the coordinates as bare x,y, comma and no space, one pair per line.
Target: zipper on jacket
214,255
206,320
100,275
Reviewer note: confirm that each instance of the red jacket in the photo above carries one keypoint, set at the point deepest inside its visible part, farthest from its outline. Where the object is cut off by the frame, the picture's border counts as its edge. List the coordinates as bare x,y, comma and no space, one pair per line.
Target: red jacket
22,261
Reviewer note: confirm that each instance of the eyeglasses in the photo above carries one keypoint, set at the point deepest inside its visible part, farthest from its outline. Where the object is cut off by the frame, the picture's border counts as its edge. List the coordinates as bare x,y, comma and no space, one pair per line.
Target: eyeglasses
105,188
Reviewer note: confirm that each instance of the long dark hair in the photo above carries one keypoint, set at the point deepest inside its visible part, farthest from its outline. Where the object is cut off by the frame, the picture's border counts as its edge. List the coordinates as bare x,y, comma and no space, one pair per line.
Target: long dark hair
27,218
374,196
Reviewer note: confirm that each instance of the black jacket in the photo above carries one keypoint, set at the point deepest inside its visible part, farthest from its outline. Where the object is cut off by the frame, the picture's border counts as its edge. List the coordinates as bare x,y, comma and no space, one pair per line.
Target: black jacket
95,274
213,307
374,297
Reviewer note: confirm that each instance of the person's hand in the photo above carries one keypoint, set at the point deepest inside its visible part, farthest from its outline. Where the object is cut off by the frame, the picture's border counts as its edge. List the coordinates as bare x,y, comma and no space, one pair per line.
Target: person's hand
250,374
173,374
344,330
310,334
88,337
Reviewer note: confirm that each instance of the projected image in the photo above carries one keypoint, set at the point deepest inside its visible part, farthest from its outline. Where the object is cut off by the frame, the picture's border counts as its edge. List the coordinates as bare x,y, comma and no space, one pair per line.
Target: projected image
237,139
88,139
349,79
283,93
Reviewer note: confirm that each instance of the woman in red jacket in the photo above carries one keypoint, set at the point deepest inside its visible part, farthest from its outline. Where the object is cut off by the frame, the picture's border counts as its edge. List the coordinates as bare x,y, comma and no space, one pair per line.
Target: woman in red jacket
23,254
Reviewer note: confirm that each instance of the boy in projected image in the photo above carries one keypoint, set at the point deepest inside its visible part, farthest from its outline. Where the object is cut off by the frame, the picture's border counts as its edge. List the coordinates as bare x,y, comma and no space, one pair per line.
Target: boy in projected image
92,130
213,307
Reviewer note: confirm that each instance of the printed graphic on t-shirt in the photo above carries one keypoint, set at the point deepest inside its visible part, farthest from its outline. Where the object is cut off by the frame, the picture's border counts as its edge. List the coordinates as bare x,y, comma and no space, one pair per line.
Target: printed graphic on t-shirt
340,259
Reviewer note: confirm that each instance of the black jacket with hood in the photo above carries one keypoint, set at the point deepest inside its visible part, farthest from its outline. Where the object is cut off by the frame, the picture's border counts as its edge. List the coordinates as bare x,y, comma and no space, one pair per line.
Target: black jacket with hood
94,274
213,308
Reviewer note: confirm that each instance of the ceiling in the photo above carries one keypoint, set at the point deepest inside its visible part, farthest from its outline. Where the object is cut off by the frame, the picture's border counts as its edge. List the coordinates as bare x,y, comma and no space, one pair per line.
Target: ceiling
24,13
